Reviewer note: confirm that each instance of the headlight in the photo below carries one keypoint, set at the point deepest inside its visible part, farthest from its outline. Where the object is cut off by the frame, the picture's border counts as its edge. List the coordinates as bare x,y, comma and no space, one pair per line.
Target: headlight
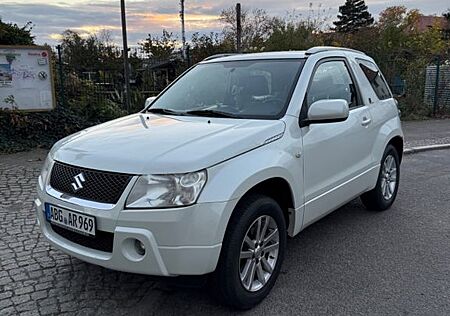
153,191
45,172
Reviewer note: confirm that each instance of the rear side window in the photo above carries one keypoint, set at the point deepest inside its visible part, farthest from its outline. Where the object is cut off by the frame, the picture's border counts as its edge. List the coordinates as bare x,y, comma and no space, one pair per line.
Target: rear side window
375,78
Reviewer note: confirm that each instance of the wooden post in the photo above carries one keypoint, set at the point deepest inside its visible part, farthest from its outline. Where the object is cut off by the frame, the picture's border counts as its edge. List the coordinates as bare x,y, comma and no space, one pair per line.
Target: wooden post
183,32
126,69
61,77
238,27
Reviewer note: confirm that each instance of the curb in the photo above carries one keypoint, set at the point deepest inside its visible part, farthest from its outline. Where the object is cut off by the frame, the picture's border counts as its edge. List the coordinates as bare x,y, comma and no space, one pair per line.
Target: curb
418,149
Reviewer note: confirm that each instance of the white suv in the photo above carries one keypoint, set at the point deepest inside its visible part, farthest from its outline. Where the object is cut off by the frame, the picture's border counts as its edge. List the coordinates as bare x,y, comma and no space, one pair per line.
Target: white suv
238,153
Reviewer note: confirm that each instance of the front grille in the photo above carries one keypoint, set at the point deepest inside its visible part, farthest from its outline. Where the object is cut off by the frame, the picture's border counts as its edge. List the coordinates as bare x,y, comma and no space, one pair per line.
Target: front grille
102,241
98,186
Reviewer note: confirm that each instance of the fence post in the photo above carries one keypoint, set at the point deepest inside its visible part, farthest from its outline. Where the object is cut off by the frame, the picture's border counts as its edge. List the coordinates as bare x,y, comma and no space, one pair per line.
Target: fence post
436,85
61,77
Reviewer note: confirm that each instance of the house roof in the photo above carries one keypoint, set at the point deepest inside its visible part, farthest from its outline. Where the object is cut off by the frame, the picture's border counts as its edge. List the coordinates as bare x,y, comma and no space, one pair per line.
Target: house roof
427,21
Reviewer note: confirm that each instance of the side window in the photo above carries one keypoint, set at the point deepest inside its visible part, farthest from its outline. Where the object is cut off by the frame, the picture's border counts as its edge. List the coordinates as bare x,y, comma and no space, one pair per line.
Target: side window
331,80
375,78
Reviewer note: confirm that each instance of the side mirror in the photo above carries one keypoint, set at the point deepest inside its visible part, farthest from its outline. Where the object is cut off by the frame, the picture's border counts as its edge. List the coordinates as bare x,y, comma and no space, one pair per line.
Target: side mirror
149,101
328,111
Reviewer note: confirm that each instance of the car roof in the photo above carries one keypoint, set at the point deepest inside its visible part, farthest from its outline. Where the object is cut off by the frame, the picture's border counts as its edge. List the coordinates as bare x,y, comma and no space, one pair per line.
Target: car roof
323,50
255,56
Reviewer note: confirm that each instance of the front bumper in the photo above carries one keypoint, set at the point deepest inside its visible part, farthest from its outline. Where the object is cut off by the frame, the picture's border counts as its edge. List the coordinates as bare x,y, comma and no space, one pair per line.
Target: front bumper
178,241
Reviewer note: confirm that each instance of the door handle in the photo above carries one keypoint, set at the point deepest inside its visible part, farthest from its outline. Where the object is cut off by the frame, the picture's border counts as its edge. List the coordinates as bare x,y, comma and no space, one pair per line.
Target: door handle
366,121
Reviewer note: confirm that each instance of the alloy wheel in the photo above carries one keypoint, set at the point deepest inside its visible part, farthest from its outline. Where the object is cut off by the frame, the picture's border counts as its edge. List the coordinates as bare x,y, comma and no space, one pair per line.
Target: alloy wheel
388,177
259,253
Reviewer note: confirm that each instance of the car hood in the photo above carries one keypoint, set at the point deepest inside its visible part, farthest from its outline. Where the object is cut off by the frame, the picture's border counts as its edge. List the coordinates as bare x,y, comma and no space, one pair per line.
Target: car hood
155,144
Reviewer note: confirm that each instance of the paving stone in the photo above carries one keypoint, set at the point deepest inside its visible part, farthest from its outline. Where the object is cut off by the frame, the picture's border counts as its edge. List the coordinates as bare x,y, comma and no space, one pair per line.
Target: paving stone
37,279
23,290
5,303
39,295
5,294
8,311
19,299
5,280
28,306
30,313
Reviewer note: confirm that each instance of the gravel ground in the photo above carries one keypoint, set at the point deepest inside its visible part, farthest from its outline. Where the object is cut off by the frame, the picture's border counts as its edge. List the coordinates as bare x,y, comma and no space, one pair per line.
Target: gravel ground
351,262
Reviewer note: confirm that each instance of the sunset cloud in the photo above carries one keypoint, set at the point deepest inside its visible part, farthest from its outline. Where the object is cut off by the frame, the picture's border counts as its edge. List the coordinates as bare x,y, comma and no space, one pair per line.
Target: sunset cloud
52,17
55,36
172,21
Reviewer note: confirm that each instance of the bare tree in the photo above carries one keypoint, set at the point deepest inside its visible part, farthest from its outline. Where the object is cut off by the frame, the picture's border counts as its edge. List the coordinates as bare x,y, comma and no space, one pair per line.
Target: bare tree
256,27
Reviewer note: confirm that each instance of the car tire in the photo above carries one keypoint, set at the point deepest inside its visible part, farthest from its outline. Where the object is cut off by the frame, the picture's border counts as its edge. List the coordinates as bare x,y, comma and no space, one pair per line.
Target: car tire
385,191
250,264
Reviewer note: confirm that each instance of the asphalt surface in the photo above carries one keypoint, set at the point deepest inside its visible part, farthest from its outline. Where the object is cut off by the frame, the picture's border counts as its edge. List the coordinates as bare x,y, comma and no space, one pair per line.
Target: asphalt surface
351,262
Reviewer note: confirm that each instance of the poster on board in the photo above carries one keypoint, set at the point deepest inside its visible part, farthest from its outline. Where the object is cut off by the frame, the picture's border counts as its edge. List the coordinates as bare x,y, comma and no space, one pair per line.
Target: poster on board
26,78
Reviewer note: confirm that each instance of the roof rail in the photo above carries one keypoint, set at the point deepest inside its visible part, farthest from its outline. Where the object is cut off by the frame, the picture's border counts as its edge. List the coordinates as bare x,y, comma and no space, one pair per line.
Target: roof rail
220,55
319,49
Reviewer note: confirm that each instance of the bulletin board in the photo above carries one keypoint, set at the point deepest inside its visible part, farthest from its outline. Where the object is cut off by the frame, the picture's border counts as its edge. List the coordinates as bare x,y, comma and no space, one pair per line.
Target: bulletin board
26,78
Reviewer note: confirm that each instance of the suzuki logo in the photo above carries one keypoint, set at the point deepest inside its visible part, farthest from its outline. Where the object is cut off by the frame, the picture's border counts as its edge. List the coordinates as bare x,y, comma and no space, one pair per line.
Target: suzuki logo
78,184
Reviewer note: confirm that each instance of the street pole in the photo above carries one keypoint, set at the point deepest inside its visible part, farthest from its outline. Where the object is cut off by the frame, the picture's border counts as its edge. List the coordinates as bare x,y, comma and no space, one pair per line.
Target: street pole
238,27
61,77
183,32
126,69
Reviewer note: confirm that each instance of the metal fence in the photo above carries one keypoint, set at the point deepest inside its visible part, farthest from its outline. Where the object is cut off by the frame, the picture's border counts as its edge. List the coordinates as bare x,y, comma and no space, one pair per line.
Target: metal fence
103,83
437,86
420,83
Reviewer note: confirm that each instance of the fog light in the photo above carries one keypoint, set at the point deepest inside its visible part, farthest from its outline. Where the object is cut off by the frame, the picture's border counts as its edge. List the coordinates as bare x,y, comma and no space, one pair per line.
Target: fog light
140,248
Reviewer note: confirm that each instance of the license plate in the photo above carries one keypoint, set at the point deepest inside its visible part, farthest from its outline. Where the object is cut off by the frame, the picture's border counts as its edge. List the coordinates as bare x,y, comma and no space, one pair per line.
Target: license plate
77,222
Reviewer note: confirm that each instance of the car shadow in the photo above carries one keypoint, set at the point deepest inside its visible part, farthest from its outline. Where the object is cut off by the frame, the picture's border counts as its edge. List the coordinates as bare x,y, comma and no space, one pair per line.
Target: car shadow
312,250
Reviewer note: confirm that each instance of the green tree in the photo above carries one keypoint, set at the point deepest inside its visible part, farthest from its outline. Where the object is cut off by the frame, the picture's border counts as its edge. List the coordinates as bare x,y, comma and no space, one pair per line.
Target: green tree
446,30
205,45
447,15
159,47
12,34
353,15
292,36
295,32
92,53
404,50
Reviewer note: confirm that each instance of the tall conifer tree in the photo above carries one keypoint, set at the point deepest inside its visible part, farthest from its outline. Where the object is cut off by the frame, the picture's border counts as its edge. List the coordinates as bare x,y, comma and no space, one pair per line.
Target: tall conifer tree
352,16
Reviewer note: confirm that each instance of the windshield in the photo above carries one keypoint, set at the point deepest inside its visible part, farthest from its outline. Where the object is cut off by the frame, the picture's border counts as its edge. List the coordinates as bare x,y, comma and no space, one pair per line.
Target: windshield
238,89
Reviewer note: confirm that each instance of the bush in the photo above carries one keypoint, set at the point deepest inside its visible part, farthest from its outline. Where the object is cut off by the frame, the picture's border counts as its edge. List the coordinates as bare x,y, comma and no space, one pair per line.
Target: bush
23,131
95,110
86,105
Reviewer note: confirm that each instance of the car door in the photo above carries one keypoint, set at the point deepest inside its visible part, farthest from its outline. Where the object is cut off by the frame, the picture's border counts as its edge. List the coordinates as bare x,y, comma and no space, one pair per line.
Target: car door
336,155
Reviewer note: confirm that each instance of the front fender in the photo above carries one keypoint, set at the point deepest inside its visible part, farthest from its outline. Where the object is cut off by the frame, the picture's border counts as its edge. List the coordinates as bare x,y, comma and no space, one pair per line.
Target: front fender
230,180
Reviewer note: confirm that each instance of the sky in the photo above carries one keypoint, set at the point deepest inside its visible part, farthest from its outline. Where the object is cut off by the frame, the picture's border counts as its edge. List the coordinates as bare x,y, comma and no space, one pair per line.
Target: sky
51,17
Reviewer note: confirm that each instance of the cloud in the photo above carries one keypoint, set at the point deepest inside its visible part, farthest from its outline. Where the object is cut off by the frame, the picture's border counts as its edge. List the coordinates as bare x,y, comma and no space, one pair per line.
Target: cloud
55,36
172,21
52,17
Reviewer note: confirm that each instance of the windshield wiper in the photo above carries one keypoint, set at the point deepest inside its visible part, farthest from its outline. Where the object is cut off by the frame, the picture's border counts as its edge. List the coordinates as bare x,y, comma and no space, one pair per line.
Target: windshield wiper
211,113
164,111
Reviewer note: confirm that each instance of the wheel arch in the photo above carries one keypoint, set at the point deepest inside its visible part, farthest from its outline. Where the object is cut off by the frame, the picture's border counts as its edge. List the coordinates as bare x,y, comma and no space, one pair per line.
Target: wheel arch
269,170
397,142
389,133
278,189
